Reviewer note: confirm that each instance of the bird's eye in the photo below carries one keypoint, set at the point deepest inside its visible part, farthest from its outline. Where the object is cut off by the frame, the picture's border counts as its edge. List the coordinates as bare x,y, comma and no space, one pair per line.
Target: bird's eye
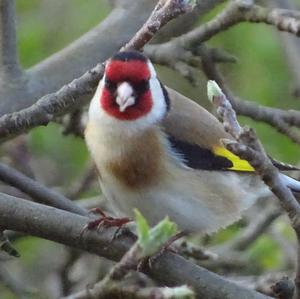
110,85
141,87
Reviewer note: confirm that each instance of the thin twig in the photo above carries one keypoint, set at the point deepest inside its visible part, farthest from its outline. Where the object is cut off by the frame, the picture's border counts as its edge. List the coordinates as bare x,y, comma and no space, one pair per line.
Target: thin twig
190,250
249,148
20,290
234,13
6,245
280,119
66,284
20,155
108,286
165,11
255,229
238,11
88,177
37,191
287,247
268,172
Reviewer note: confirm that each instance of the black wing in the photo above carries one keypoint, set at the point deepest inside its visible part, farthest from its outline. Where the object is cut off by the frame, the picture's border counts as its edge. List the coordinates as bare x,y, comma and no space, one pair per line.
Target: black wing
196,157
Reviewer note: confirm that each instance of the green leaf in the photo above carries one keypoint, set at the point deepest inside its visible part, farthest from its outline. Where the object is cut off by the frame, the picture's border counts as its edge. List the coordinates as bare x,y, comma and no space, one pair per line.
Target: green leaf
142,227
182,292
213,90
151,240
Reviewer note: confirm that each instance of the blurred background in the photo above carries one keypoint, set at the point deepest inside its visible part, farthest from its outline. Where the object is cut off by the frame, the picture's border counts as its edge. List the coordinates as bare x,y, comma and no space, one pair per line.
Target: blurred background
261,74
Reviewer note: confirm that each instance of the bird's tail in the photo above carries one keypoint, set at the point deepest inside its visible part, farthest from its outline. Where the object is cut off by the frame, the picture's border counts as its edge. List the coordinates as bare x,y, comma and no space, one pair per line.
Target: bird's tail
293,184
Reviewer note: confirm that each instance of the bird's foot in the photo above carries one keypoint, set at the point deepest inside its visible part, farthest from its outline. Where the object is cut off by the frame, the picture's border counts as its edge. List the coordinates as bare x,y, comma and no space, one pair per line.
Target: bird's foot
105,221
149,261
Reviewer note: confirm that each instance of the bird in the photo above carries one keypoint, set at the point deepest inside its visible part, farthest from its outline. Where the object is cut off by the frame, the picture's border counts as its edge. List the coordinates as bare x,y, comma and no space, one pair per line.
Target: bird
160,152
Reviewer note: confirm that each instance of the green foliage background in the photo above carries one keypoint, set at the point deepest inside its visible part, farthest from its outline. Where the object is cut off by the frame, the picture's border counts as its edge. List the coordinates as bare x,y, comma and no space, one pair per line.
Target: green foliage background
261,75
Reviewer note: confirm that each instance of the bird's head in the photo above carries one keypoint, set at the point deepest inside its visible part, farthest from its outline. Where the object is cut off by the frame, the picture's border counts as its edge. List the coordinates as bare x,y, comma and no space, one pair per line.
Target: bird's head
130,90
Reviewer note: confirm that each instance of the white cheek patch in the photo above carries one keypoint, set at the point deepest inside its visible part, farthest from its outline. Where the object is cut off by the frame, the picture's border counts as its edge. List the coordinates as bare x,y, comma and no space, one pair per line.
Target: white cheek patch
152,70
159,108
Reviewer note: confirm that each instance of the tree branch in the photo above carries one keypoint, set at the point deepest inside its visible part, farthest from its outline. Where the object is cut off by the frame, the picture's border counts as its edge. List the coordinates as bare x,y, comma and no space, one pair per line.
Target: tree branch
37,191
249,148
165,11
282,120
255,229
240,11
63,100
65,228
234,13
94,46
291,47
75,59
45,109
112,285
70,97
9,62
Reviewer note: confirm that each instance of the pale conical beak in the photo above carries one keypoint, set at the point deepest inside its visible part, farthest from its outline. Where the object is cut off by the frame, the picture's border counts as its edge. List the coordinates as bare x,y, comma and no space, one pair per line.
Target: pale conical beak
125,102
125,96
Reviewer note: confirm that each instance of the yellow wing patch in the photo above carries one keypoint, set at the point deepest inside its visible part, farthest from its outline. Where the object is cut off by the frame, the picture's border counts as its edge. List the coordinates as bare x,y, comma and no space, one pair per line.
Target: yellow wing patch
238,164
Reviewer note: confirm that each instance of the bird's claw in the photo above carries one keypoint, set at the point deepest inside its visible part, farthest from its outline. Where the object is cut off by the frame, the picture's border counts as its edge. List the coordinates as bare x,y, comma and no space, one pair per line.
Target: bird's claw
105,221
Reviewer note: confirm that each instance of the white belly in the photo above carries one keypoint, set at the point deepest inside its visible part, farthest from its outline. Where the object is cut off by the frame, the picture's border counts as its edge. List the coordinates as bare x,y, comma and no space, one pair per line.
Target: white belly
199,204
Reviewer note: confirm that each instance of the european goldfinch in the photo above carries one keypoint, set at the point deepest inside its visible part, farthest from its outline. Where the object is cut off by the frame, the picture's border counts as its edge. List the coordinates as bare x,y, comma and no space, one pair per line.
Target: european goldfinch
159,152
